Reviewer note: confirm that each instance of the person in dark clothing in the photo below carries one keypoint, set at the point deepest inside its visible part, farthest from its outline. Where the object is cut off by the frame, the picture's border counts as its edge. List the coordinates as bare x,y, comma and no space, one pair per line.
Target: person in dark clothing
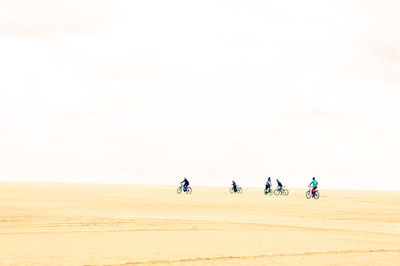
279,184
234,186
268,184
185,183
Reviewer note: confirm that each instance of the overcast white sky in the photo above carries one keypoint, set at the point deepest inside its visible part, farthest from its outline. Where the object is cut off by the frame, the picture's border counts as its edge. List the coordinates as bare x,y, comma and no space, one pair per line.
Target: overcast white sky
152,91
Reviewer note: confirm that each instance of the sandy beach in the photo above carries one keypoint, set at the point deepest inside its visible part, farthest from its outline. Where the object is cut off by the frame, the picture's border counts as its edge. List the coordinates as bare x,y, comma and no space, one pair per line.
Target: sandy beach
90,224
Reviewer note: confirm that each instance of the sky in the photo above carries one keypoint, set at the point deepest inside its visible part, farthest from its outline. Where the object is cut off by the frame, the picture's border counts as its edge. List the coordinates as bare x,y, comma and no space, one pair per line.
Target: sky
149,92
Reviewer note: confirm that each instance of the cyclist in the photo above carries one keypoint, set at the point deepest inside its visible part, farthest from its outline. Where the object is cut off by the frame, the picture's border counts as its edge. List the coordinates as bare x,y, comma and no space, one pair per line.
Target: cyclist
314,184
268,185
185,183
234,186
279,185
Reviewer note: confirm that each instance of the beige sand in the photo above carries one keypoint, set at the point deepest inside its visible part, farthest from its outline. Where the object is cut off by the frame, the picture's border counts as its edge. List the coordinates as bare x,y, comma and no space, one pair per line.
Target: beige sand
86,224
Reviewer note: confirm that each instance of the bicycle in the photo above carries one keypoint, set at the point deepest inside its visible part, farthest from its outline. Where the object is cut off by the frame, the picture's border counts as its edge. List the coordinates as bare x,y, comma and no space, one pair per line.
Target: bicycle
309,193
238,190
283,191
268,191
181,188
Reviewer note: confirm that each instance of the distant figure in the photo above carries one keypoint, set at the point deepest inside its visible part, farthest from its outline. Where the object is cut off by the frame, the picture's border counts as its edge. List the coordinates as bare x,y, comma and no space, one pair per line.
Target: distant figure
234,186
268,184
185,183
279,185
314,184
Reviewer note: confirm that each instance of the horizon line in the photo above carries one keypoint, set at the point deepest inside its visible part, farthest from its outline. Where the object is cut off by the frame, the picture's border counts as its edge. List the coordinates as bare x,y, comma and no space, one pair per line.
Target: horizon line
160,185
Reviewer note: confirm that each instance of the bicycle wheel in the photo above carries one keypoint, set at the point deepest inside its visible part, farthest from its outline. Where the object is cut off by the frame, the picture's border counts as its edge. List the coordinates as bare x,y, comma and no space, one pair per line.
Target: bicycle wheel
285,192
277,192
179,190
189,190
316,195
239,190
231,190
308,194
